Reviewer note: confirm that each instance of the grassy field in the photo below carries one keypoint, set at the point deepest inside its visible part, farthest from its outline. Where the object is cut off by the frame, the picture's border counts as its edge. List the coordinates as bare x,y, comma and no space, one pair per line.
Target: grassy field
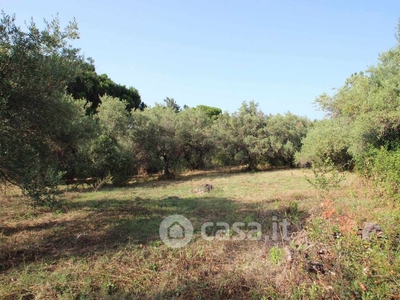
106,244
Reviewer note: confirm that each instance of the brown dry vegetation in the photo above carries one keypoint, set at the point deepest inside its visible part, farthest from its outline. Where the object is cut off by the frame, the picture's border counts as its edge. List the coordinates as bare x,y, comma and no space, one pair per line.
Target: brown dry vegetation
105,244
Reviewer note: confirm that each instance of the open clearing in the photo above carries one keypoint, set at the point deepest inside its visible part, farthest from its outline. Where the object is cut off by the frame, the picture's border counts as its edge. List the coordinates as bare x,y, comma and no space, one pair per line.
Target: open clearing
106,244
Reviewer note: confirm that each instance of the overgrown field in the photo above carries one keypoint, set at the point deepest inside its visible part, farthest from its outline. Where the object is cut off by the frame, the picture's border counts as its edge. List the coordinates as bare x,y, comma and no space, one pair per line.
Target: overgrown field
106,244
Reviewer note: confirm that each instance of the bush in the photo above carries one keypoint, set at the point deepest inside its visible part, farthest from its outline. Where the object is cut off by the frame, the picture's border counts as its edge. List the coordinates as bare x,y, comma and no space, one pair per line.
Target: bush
42,189
107,158
327,139
326,176
381,167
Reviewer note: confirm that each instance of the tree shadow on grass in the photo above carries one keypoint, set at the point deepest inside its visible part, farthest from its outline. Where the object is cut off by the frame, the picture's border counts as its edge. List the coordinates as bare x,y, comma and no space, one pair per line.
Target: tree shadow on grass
224,172
156,180
105,225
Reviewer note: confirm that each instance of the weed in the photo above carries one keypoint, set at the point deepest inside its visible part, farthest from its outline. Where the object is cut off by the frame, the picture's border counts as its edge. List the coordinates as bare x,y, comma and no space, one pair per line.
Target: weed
276,255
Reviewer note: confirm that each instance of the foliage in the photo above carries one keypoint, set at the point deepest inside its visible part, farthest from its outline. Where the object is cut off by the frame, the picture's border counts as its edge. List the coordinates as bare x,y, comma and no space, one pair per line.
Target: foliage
171,104
326,176
243,134
86,86
166,141
367,107
108,152
326,139
364,116
74,130
276,255
42,191
35,67
113,118
108,158
210,111
197,138
90,86
253,138
156,142
225,141
364,125
285,134
381,167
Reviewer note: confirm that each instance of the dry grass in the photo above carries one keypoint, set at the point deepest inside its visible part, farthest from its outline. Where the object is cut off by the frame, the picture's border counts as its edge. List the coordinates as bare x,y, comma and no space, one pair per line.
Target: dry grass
105,245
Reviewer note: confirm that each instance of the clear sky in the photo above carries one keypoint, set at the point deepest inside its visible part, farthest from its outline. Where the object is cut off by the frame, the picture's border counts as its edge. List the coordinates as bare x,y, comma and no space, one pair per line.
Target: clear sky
281,54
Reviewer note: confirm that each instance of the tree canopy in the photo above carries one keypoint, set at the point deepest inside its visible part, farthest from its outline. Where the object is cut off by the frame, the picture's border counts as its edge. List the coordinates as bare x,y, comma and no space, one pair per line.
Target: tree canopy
91,87
35,68
363,113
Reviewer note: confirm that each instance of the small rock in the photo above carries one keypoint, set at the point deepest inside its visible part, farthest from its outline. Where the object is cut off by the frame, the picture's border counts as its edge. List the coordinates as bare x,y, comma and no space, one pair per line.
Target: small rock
208,187
205,188
370,228
315,267
288,254
337,235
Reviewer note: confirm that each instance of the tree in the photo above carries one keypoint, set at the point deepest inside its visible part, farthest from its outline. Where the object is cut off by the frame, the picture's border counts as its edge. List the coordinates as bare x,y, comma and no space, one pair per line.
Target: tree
210,111
285,134
171,104
195,131
327,139
35,67
363,114
86,86
156,142
244,135
130,95
110,152
91,86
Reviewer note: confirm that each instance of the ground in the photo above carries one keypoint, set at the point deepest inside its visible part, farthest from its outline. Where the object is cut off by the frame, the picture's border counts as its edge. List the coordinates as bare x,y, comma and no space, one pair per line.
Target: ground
106,244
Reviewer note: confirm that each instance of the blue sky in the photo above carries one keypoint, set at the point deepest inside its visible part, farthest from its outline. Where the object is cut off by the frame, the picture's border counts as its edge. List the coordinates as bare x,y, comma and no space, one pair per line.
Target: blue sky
281,54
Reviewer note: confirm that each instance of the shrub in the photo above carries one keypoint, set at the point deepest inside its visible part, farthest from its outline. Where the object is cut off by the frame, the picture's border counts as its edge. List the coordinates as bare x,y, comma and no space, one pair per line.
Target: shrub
381,167
326,176
42,189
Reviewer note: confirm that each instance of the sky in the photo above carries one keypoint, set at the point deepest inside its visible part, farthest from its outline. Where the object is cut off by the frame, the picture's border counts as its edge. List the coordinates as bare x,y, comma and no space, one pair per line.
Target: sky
281,54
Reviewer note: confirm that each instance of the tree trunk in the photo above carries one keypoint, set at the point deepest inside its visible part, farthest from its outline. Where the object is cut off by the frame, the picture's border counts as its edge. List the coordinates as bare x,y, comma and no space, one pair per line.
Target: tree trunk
252,164
166,171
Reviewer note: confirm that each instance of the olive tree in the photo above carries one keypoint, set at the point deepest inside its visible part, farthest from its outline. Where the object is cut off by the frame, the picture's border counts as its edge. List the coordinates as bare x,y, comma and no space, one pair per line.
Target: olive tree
35,67
156,141
241,137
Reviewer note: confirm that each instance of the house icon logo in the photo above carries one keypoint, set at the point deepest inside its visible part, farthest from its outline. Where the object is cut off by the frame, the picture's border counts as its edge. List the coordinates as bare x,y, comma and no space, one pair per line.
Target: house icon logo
176,231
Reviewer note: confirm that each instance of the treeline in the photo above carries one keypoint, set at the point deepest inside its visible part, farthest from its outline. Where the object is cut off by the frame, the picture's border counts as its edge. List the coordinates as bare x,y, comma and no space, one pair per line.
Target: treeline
61,121
164,139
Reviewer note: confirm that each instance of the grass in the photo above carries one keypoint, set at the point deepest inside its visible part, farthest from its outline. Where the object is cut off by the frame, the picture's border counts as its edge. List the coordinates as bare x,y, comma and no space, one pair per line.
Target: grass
106,244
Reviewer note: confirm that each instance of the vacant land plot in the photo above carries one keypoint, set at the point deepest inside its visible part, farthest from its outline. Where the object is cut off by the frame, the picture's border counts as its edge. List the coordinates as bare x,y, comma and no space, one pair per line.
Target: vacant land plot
106,244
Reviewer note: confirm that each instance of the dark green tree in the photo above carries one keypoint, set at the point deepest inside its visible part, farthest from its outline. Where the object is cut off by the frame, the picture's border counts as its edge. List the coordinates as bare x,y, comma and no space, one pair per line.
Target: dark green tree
86,86
210,111
91,86
130,95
